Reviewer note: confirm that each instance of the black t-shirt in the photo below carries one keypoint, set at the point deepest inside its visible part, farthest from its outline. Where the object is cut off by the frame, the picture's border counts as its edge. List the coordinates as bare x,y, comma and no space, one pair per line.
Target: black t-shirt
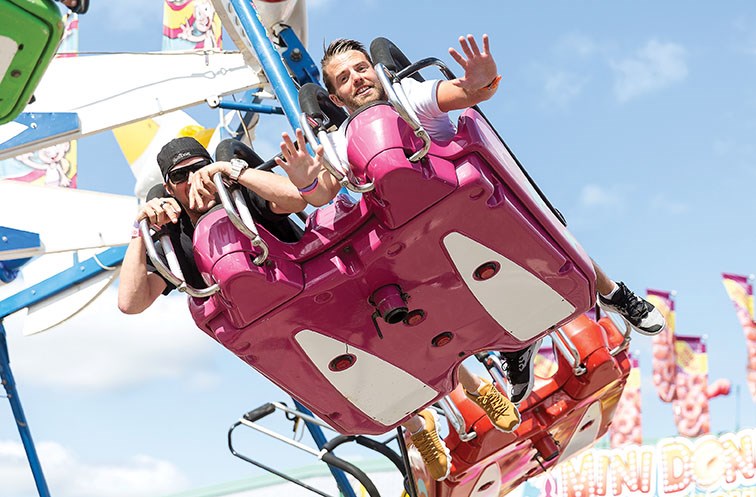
182,239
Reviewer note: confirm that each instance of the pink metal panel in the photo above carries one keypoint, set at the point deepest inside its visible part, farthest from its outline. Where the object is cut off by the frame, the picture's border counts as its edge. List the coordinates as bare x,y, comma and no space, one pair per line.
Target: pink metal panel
324,281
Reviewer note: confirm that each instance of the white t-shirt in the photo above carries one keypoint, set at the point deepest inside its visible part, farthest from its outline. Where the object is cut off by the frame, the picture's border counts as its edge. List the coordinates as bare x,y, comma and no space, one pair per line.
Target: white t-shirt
422,97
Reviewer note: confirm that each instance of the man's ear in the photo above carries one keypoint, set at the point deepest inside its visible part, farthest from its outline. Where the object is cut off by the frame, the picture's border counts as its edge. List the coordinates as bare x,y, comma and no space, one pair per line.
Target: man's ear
336,100
168,188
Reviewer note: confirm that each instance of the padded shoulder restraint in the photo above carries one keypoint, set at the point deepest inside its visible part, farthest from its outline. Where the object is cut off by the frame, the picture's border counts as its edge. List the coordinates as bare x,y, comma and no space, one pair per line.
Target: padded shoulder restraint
384,51
314,101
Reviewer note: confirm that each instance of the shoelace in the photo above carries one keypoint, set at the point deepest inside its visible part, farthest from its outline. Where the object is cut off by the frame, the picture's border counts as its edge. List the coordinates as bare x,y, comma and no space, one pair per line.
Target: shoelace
426,445
494,402
635,306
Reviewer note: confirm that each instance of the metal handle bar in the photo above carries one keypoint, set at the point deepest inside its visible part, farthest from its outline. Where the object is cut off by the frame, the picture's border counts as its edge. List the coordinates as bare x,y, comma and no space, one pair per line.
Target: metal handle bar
422,64
331,158
408,117
169,273
324,454
625,340
455,418
239,214
569,351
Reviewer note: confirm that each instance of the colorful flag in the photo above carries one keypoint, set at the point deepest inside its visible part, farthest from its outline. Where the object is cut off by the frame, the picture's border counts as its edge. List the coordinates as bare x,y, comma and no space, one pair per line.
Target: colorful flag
663,348
691,404
190,25
740,291
55,165
626,424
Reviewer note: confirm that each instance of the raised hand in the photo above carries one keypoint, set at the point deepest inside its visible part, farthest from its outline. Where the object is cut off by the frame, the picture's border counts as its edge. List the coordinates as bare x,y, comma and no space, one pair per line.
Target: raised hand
480,67
299,165
202,190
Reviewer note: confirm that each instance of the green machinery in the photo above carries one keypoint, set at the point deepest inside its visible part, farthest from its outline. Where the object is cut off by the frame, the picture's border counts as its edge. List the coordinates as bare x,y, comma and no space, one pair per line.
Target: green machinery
30,32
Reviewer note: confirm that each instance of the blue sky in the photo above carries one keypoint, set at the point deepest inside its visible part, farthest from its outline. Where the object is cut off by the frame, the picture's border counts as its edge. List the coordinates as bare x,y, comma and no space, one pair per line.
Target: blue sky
636,119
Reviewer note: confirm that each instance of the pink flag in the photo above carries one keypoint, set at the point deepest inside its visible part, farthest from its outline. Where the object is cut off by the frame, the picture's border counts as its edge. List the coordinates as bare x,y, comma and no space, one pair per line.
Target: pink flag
626,423
740,290
664,367
691,404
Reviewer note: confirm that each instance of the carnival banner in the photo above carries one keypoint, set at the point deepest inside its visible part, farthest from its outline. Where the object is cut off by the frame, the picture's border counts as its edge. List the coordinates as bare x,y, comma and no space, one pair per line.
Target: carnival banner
663,347
626,426
691,404
55,165
740,291
723,466
190,25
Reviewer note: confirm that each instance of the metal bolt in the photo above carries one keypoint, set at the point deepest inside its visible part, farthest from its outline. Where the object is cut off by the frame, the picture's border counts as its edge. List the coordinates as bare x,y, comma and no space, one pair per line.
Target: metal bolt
15,73
296,55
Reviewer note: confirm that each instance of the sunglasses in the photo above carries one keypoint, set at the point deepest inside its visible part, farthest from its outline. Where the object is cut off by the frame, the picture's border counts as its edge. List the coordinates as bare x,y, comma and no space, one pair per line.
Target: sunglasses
180,175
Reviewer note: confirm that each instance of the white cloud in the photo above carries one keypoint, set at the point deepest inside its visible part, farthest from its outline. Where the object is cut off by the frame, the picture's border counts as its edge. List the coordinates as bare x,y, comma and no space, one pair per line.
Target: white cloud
67,476
562,87
654,67
103,349
579,44
594,196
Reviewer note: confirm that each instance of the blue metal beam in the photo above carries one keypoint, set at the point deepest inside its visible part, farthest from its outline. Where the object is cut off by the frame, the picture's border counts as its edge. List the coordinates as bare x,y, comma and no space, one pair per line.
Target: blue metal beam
252,107
50,287
298,59
18,413
270,60
319,437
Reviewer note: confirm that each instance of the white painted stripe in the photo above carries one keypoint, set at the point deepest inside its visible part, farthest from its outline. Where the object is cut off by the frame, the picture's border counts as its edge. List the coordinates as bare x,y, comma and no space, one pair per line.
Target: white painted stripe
518,300
381,390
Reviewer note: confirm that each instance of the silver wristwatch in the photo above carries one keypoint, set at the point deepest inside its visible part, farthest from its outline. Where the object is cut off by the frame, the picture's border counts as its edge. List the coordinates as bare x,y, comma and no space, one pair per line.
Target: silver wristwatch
237,167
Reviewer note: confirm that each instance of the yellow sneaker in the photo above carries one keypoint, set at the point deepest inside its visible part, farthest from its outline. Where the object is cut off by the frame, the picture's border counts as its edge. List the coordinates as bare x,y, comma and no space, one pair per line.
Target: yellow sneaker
499,409
433,450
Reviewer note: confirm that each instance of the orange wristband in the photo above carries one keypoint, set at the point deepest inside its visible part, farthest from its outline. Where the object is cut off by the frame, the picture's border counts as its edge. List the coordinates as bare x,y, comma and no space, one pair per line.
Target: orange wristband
493,84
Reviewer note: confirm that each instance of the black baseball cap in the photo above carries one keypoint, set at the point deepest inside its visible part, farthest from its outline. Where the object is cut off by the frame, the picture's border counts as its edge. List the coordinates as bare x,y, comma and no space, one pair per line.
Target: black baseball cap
180,149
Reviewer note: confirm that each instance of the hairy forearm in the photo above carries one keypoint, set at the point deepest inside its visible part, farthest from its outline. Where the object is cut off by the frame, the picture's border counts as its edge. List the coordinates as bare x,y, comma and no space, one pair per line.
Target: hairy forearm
137,289
283,196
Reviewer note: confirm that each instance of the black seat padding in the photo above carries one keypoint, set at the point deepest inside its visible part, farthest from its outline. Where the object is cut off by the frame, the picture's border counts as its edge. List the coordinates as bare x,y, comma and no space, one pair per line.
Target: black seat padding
230,148
314,101
384,51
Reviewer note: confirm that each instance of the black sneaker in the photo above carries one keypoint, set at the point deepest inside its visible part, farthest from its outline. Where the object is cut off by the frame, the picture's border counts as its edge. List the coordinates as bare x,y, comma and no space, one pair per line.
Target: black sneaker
518,366
641,314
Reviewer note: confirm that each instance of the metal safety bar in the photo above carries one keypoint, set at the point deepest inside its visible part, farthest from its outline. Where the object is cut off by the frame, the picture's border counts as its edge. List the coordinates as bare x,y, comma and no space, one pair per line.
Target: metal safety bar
569,351
385,77
171,271
455,418
325,454
331,158
625,337
238,213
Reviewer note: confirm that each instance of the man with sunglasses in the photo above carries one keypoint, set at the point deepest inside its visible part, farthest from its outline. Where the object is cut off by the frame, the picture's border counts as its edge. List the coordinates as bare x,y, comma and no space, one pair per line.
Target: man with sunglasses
187,169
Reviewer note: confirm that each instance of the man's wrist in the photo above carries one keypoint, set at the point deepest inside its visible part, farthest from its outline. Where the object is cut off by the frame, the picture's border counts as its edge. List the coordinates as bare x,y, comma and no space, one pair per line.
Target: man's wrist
236,168
493,84
305,190
135,231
